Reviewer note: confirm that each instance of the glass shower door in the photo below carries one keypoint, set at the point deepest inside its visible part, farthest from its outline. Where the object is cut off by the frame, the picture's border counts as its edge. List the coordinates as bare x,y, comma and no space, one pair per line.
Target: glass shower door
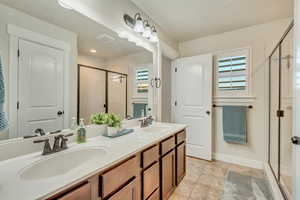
91,92
274,71
117,94
286,124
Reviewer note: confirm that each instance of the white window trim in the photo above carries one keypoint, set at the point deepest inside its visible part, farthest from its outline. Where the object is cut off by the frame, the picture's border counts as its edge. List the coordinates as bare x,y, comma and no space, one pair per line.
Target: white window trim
233,96
16,33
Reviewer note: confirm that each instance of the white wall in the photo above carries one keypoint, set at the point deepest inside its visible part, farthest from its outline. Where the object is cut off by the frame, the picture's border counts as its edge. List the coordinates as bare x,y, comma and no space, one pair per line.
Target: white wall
262,39
12,16
166,89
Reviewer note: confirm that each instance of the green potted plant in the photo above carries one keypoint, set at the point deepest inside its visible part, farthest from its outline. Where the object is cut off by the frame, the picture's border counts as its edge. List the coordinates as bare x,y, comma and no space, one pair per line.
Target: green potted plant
113,122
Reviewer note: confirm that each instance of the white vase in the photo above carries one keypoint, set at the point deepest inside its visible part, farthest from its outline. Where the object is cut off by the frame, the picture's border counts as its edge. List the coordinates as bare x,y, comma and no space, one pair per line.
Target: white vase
112,131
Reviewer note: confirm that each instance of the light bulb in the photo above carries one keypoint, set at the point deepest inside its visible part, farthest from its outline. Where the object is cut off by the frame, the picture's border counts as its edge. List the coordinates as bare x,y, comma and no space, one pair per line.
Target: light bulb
64,5
147,31
139,25
154,35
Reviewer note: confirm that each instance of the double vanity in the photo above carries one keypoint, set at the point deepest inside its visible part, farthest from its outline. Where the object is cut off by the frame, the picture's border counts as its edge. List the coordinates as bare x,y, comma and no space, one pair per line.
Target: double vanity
147,164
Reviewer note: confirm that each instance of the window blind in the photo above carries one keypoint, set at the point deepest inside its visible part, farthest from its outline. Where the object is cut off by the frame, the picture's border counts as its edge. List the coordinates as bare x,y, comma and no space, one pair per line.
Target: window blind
142,80
232,73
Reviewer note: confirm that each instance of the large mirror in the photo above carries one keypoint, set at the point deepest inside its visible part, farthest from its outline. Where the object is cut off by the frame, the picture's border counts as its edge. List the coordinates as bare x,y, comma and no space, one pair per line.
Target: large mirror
58,64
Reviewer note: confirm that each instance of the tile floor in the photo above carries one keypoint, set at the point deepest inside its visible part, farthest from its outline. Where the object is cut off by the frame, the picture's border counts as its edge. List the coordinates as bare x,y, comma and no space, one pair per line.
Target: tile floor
205,180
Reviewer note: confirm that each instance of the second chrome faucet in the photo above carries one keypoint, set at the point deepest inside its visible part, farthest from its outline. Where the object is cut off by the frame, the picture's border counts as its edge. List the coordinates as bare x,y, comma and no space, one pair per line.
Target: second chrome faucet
60,144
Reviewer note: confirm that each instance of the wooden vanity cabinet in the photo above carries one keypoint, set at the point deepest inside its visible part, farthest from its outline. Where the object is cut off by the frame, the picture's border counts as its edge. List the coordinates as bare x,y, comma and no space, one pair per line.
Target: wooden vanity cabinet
168,170
151,174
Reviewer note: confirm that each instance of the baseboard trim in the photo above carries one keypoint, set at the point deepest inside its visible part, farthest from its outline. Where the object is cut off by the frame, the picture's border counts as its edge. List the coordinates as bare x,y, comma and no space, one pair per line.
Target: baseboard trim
238,160
273,184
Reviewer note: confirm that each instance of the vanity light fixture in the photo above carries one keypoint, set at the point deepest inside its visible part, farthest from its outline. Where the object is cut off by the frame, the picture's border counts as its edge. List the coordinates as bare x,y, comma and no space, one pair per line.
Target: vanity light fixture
139,24
93,51
154,35
142,27
147,32
64,5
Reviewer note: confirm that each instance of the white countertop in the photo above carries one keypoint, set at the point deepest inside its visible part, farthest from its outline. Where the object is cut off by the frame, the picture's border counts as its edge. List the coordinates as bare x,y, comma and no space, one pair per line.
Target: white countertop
13,187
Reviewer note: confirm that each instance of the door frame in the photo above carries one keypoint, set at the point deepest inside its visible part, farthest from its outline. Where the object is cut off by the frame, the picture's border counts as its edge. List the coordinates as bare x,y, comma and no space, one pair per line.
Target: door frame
15,34
106,87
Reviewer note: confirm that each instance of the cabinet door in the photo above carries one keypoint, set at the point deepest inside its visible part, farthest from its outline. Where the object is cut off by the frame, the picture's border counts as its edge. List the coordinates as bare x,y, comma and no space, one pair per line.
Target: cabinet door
81,193
129,192
168,174
150,180
180,162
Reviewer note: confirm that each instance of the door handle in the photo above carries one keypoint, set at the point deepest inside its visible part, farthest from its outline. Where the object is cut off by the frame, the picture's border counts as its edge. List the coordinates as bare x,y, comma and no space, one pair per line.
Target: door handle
158,82
208,112
296,140
152,82
60,113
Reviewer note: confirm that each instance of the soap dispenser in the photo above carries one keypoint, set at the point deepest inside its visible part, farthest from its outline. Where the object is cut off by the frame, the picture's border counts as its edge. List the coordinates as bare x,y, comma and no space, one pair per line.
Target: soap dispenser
81,132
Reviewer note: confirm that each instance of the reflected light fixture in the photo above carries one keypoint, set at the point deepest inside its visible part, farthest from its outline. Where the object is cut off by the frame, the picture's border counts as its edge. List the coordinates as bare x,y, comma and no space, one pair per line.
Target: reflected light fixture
93,51
64,5
139,24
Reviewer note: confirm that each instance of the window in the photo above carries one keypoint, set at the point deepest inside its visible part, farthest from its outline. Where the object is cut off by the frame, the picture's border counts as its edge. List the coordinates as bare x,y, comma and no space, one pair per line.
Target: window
232,73
142,80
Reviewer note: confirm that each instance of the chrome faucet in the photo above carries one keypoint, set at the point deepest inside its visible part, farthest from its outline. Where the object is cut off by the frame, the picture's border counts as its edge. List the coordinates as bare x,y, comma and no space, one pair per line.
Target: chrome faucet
146,121
60,144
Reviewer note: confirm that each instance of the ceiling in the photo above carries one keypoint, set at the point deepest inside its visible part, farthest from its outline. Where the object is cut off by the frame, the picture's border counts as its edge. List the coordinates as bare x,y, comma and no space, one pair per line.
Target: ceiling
190,19
86,29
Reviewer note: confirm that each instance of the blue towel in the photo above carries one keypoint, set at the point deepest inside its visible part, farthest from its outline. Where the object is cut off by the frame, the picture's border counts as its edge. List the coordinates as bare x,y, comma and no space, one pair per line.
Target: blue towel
3,120
235,124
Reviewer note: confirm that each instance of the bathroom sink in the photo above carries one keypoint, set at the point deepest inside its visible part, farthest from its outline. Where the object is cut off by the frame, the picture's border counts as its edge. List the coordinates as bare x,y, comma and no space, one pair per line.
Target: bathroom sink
155,129
61,164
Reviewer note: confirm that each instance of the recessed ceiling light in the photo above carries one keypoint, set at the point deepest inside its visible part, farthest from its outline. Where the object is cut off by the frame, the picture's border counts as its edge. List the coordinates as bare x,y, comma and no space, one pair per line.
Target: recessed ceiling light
93,51
64,5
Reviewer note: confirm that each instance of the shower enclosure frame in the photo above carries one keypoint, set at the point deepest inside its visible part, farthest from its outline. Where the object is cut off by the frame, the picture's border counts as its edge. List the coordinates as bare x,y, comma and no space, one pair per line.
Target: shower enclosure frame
279,111
106,88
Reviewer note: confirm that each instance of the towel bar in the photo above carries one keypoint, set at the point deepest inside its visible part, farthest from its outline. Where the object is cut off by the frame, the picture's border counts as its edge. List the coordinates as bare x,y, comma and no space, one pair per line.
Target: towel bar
214,105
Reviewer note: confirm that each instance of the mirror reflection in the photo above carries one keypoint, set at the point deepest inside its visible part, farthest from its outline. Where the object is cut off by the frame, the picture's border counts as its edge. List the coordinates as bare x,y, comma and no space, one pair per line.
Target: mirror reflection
65,66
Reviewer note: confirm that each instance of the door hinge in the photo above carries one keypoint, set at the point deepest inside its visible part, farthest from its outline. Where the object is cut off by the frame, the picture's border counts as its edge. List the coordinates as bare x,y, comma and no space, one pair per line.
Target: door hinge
18,53
175,69
18,105
280,113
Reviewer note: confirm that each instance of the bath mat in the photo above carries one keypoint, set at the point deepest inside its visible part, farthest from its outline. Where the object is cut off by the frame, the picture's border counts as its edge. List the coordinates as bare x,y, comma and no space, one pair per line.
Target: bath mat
242,187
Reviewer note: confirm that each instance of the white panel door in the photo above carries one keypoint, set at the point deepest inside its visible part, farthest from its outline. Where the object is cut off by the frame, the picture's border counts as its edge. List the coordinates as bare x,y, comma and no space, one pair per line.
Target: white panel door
40,86
192,97
92,92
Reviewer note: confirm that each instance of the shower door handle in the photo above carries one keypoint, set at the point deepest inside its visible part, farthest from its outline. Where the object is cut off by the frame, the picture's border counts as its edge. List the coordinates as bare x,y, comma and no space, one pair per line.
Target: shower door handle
296,140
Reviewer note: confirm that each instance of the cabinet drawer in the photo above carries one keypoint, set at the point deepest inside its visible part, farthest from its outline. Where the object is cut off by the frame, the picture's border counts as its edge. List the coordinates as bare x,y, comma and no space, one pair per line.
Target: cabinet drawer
167,145
81,193
149,156
154,196
118,176
128,192
180,137
151,180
